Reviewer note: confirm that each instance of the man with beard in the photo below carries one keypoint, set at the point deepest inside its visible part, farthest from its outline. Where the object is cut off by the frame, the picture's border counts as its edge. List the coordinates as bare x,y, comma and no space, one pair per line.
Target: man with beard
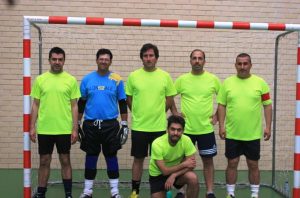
103,99
172,161
54,119
150,93
197,90
241,100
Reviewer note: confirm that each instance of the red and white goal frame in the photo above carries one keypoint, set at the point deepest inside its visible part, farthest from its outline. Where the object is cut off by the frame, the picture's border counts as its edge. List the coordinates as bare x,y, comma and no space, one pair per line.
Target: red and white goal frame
29,20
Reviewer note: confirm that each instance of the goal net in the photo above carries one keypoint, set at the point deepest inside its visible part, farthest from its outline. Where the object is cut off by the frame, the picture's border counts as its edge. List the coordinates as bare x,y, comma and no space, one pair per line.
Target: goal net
221,47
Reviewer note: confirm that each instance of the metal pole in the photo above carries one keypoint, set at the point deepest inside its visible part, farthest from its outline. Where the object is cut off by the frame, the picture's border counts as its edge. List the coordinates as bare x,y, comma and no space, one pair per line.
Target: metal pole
40,47
275,104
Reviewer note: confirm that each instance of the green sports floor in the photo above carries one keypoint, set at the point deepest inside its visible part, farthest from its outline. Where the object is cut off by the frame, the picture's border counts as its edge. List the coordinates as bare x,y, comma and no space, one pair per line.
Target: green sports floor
11,184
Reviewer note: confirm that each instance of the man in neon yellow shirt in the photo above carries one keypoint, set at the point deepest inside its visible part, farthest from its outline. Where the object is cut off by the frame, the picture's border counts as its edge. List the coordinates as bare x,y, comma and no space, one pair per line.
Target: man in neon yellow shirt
197,90
241,99
150,92
172,161
54,119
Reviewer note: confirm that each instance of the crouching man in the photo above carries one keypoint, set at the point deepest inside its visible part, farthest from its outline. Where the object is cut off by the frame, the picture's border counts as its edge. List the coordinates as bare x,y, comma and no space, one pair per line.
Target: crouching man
172,161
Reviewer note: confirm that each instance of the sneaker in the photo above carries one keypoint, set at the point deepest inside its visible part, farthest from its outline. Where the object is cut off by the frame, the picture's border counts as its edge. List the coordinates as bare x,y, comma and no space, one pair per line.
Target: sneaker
116,196
230,196
210,195
134,195
85,196
179,195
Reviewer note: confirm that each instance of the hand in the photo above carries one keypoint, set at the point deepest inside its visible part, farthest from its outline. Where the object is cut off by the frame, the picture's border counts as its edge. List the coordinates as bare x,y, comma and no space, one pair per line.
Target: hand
81,134
74,136
267,134
123,132
169,182
222,133
190,162
32,134
213,119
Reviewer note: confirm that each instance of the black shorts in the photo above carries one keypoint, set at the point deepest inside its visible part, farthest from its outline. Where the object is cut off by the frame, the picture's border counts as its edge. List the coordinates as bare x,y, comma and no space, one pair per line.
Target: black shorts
206,144
236,148
141,141
157,183
101,135
46,144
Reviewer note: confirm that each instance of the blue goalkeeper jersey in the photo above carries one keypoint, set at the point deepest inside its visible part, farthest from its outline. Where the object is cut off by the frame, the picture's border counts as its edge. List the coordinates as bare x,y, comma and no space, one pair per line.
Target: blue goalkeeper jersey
102,94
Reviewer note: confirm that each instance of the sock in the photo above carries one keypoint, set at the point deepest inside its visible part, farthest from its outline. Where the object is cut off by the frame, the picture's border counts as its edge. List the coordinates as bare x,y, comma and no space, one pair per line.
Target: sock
254,190
114,186
41,191
181,190
68,187
136,186
88,187
230,189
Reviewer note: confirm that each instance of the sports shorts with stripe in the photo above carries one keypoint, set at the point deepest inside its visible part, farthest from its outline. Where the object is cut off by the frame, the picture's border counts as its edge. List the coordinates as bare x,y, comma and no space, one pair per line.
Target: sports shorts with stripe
206,144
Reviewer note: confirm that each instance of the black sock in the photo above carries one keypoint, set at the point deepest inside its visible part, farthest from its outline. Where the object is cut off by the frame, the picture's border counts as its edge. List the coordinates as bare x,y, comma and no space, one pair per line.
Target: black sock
41,191
135,185
68,187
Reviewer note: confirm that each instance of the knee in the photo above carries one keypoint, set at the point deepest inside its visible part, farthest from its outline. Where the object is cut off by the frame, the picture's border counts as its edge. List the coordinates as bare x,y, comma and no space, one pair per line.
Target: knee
233,163
65,160
45,161
192,178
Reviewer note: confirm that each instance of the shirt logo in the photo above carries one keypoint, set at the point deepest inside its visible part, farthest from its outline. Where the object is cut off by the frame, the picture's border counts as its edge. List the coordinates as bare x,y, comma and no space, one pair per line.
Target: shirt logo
101,88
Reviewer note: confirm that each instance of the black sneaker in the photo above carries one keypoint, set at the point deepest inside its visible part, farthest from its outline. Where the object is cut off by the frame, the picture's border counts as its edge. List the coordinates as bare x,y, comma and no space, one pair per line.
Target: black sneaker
180,195
210,195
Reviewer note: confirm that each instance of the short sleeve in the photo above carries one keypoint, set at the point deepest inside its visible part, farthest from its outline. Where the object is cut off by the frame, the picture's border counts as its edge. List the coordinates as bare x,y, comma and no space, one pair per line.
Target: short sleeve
170,91
36,91
221,98
129,88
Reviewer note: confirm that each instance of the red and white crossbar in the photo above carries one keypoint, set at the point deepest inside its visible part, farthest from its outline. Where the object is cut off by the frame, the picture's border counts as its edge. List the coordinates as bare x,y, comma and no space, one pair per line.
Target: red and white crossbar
162,23
147,23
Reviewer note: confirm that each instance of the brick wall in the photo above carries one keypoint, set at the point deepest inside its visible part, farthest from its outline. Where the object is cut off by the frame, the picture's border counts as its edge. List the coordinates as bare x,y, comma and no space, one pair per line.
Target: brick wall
82,42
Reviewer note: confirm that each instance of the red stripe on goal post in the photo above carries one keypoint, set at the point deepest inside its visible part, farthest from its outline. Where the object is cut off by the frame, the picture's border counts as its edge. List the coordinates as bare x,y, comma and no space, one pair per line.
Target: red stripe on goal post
26,48
26,122
296,192
26,159
26,85
298,91
94,21
297,162
132,22
276,26
297,126
205,24
58,19
168,23
241,25
27,192
298,56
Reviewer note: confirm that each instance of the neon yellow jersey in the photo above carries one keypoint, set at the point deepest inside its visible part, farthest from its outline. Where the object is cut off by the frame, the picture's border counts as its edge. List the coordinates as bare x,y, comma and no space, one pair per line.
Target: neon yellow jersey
197,93
149,91
172,155
55,92
244,99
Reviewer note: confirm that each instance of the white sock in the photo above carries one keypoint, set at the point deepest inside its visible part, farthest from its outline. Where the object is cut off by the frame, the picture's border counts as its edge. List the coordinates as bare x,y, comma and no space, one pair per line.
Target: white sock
230,189
114,186
182,190
254,190
88,187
